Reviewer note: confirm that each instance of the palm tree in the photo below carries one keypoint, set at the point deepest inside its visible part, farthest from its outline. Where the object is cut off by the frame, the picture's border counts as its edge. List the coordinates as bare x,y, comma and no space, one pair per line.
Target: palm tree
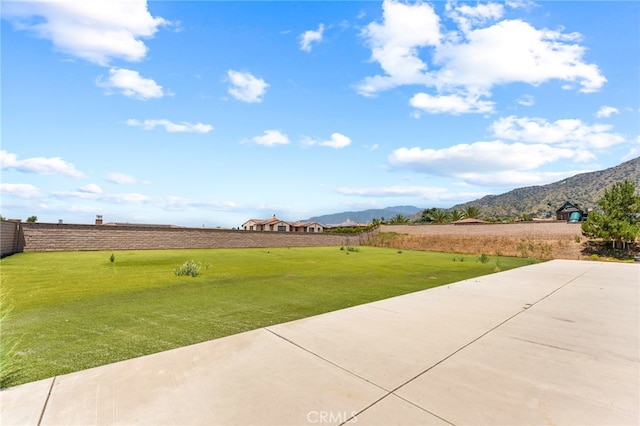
455,215
440,216
399,218
471,212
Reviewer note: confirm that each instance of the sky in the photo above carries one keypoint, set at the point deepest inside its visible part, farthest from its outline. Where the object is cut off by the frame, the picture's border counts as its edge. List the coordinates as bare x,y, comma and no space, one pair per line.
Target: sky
211,113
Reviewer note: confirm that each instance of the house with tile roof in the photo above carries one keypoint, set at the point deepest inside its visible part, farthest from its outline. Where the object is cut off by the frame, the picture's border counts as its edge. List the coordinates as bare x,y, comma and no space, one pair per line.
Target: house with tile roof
278,225
307,227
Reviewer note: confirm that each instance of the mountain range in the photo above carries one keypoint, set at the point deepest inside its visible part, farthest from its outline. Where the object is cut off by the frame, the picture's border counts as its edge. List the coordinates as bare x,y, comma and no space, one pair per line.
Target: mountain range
364,216
584,189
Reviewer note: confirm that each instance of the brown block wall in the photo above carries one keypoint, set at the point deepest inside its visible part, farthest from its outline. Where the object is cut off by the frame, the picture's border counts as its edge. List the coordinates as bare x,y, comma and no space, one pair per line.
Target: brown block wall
68,237
534,230
10,238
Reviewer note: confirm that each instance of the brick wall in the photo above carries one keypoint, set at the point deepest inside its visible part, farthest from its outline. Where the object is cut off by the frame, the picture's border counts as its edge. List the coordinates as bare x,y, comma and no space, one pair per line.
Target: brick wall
68,237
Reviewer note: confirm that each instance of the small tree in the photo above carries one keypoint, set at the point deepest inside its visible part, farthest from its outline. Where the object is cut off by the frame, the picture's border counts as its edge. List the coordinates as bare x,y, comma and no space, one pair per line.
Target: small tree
32,219
619,221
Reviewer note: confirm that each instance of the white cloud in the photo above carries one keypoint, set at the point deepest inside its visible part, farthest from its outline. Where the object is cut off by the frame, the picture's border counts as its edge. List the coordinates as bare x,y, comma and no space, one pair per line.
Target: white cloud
468,17
468,63
392,191
91,188
337,141
97,31
131,84
495,162
124,179
246,87
183,127
427,193
395,42
132,197
607,111
453,104
526,100
173,203
309,37
20,190
117,198
39,165
481,156
271,138
519,178
566,132
514,51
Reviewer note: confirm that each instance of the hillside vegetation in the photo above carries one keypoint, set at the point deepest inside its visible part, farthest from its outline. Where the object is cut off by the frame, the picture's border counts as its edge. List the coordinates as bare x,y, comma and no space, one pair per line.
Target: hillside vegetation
584,189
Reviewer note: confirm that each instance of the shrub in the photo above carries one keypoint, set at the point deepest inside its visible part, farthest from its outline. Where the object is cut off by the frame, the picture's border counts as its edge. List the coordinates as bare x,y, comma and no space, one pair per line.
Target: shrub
189,267
483,258
112,258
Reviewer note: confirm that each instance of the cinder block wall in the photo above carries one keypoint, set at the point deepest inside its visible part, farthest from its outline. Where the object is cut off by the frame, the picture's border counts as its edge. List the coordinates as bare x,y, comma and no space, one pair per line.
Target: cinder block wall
69,237
534,230
9,238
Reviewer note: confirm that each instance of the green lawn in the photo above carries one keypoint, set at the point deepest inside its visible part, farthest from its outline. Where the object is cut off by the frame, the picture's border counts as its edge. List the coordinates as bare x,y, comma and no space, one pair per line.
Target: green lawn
75,310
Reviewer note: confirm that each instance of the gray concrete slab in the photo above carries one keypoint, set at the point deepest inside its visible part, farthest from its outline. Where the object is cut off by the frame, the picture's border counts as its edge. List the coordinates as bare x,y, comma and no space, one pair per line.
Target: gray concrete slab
391,341
395,411
571,358
24,404
247,379
552,343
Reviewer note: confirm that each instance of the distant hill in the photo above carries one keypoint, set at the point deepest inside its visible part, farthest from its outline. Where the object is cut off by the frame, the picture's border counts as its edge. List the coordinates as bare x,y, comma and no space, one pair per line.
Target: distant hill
584,189
364,216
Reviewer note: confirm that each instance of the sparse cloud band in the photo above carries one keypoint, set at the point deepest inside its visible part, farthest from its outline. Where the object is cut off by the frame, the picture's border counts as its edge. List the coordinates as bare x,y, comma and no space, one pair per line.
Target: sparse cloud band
183,127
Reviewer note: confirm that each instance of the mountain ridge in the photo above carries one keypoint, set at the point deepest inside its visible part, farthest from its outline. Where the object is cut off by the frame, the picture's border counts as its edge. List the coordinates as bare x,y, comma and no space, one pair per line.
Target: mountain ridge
364,216
584,189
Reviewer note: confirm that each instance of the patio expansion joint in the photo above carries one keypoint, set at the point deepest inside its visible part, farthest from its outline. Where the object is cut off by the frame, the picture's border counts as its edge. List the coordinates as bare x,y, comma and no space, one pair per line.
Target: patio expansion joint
524,309
46,401
356,375
323,358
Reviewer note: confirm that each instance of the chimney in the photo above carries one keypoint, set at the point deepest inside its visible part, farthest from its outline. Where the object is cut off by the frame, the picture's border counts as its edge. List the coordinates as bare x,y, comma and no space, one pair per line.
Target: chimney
99,219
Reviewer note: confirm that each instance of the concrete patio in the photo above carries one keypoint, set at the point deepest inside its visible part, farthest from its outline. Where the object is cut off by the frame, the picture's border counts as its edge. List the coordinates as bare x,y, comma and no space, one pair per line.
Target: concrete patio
550,343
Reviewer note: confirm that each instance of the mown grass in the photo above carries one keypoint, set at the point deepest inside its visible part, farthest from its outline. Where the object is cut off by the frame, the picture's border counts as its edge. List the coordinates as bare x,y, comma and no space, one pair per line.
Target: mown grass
76,310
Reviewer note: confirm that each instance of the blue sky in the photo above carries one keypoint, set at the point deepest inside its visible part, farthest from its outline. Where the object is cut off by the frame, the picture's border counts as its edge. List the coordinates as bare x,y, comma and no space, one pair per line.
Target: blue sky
211,113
